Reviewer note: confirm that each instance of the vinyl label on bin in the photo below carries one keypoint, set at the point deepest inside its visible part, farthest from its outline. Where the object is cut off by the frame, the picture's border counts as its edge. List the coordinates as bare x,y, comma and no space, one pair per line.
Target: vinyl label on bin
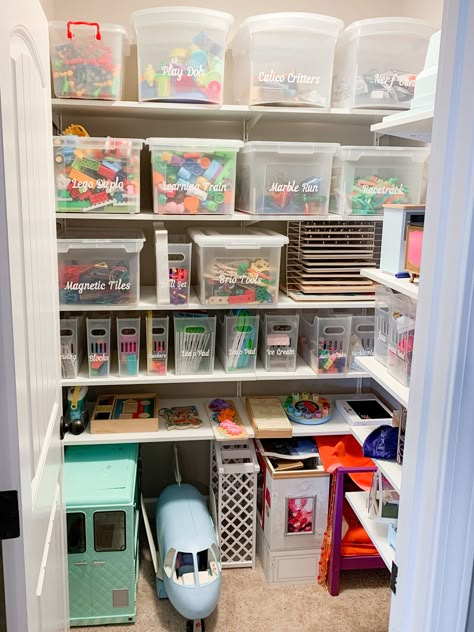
291,77
294,187
97,286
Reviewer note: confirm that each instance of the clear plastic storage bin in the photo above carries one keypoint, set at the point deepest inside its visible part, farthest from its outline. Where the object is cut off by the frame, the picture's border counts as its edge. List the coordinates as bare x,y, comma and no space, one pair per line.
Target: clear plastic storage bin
99,267
401,336
72,345
285,178
237,342
279,342
97,174
383,296
194,344
87,59
238,267
98,346
193,175
362,339
157,345
285,58
377,61
128,345
324,343
366,178
181,53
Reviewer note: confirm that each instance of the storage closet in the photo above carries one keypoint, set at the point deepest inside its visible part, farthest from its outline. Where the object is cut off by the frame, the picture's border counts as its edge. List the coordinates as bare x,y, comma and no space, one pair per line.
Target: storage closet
134,321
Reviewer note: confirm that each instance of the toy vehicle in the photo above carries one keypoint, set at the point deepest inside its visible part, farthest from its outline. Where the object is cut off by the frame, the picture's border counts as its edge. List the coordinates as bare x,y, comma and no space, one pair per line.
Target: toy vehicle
101,493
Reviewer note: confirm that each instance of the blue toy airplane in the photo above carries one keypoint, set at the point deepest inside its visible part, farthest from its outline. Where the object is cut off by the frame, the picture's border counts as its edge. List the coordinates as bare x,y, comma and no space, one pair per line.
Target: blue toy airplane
188,566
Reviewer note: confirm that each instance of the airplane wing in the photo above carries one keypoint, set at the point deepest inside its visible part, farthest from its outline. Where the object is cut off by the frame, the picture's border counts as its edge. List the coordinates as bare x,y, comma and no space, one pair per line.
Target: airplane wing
151,541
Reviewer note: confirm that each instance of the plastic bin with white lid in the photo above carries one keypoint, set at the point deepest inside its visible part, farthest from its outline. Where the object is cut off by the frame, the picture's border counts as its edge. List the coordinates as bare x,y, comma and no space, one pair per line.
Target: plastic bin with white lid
97,267
377,61
87,59
285,178
285,58
238,267
97,175
193,175
181,53
366,178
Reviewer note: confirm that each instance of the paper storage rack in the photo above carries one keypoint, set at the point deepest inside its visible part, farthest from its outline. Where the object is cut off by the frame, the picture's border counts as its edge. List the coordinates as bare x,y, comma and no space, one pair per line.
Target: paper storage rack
324,260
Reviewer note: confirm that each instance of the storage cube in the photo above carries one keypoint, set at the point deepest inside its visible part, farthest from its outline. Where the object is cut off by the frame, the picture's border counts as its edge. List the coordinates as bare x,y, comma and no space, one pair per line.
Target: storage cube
401,336
97,174
237,342
181,53
157,345
324,343
383,297
233,485
194,344
99,268
98,346
285,58
366,178
238,267
285,178
72,345
279,342
394,235
377,61
87,59
362,339
128,345
193,175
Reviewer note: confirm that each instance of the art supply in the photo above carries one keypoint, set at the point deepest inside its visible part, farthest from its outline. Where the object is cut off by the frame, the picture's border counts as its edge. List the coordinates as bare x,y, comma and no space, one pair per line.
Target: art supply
99,267
361,343
98,346
97,175
128,345
307,408
238,267
226,422
87,59
125,413
364,410
157,344
181,53
268,417
72,332
285,178
279,342
324,342
193,176
238,338
194,344
181,417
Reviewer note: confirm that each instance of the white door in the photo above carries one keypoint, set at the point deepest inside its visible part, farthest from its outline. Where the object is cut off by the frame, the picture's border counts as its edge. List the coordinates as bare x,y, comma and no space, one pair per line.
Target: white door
30,394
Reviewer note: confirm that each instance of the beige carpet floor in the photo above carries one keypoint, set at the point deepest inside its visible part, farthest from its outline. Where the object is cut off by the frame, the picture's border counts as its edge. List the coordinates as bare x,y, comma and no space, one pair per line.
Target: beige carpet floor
249,604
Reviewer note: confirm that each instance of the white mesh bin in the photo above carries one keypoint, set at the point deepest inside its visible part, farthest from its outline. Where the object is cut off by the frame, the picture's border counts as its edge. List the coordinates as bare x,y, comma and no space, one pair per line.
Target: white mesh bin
234,469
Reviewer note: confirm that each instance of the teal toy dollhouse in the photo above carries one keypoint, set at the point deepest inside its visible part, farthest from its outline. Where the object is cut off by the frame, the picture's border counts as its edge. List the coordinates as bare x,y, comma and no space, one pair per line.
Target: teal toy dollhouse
101,494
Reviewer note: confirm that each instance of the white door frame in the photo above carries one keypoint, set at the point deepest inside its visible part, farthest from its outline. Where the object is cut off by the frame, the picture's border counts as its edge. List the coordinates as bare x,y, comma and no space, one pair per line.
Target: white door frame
435,542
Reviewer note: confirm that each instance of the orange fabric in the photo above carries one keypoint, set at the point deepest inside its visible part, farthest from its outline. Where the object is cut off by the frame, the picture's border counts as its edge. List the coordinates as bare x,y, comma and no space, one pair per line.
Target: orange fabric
345,451
356,541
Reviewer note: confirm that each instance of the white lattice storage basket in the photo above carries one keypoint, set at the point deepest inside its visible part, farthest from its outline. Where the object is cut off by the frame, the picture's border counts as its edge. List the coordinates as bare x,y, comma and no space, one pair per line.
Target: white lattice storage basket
234,469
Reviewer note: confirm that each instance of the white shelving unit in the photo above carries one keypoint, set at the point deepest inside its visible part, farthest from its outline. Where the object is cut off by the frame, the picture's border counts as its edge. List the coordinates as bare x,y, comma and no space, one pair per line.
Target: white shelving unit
379,373
400,285
411,125
376,531
390,469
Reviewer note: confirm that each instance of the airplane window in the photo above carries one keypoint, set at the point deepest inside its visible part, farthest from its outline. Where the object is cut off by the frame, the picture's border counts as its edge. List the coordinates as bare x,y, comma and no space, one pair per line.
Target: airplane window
169,561
184,569
109,531
76,533
208,567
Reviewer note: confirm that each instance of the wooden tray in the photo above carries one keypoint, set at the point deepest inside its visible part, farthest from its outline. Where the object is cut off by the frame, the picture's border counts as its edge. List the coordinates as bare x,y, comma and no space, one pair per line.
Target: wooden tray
268,418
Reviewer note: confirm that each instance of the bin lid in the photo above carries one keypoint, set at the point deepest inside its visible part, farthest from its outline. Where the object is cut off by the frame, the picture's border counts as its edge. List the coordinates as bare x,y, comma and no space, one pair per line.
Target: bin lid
191,143
384,26
289,147
210,18
90,239
354,152
91,142
234,238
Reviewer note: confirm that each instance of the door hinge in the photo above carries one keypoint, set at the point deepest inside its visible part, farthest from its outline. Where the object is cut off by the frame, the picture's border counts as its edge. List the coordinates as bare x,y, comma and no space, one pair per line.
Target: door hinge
393,578
9,510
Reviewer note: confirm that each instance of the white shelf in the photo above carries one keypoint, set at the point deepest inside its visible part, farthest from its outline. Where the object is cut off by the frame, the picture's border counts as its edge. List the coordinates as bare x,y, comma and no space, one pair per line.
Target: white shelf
148,302
189,111
390,469
379,373
376,531
400,285
412,125
337,425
